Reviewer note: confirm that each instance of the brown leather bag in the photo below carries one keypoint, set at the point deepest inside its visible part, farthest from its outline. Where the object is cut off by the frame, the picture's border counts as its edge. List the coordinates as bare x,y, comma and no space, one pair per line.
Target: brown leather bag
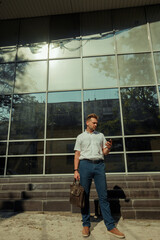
77,195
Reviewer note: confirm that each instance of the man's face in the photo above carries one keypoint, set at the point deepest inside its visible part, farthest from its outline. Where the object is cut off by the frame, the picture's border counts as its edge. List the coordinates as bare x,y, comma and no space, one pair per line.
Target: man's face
92,124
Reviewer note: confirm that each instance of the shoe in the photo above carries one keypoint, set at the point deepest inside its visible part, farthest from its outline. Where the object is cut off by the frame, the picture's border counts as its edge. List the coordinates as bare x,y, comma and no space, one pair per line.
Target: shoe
85,232
115,232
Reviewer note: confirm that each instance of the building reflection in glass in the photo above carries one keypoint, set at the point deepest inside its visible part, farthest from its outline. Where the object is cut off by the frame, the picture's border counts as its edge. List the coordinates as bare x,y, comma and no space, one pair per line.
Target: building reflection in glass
5,105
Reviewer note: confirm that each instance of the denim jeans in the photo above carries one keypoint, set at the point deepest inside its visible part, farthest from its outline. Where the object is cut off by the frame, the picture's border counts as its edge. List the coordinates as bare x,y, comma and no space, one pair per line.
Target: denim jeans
96,171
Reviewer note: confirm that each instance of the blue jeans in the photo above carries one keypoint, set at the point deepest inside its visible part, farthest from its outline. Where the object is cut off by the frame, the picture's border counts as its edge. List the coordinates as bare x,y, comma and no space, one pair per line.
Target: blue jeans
96,171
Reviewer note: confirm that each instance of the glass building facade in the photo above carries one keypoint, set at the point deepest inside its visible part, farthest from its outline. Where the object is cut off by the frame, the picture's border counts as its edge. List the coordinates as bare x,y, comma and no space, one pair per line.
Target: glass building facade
56,70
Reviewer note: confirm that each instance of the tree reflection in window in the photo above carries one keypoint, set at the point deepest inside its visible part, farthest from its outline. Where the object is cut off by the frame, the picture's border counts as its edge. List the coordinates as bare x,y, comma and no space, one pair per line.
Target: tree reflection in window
5,103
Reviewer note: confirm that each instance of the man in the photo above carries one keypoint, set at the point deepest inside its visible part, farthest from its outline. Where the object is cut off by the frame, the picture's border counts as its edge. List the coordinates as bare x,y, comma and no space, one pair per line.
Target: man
90,149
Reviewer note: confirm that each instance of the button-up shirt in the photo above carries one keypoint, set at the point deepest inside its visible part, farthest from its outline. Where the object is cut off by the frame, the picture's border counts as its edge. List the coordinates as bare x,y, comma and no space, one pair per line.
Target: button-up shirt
90,145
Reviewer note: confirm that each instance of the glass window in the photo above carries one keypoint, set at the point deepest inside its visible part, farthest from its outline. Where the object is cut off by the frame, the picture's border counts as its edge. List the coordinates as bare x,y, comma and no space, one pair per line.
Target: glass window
131,30
140,110
7,72
114,163
135,69
9,32
62,146
65,74
7,54
3,148
28,113
105,103
24,165
18,148
64,117
5,105
153,15
117,144
59,164
157,65
143,162
97,32
99,72
31,77
142,143
2,164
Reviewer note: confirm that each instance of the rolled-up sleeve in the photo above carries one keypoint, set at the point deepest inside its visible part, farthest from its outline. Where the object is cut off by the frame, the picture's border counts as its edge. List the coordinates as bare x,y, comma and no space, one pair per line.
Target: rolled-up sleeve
77,146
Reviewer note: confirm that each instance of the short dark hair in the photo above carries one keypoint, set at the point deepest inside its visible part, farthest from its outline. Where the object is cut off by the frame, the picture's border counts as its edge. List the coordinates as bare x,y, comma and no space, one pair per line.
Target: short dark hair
92,115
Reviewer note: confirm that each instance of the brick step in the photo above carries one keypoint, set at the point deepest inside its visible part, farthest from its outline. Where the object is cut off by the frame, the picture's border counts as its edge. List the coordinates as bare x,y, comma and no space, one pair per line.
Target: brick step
140,203
140,213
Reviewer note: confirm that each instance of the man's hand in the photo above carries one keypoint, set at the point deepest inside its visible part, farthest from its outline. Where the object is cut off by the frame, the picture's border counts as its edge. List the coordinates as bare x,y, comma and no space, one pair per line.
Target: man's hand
109,144
76,175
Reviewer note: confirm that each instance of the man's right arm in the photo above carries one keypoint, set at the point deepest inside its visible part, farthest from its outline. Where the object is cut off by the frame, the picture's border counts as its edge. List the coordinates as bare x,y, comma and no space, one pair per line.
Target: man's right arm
76,165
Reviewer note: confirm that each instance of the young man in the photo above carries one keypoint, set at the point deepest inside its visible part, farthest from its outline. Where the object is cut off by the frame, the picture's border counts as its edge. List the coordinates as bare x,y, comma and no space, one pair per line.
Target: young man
90,149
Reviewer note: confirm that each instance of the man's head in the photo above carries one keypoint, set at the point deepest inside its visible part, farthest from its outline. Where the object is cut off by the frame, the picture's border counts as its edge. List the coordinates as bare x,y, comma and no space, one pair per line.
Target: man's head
91,122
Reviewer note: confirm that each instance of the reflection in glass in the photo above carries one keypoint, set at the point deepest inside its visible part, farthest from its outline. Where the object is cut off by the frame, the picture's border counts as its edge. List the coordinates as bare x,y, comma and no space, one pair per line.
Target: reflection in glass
142,143
24,165
31,77
3,148
7,54
9,32
157,65
64,114
140,110
2,164
99,72
65,74
59,164
65,48
105,103
117,144
18,148
153,16
136,69
5,104
131,30
60,146
114,163
28,113
6,78
143,162
32,51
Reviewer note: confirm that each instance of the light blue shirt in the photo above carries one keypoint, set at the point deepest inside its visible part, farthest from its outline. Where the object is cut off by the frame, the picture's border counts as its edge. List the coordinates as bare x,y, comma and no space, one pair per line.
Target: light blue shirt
90,145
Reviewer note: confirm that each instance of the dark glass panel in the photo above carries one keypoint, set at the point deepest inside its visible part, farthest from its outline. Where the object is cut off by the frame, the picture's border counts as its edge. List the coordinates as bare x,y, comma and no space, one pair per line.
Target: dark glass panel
2,163
114,163
142,143
28,112
18,148
59,164
7,72
60,146
24,165
117,144
3,148
105,103
5,104
9,32
64,114
143,162
140,110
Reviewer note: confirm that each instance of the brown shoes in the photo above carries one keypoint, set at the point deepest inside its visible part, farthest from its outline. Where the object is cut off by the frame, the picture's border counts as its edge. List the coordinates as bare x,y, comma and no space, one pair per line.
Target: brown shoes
115,232
85,232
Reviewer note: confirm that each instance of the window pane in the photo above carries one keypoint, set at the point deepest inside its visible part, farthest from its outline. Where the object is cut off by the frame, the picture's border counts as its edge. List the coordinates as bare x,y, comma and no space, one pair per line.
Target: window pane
97,33
135,69
157,64
105,103
142,144
140,110
28,113
59,164
5,104
24,165
153,15
2,163
60,146
3,148
6,78
31,77
9,32
64,114
99,72
143,162
117,144
18,148
65,74
7,54
114,163
131,30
